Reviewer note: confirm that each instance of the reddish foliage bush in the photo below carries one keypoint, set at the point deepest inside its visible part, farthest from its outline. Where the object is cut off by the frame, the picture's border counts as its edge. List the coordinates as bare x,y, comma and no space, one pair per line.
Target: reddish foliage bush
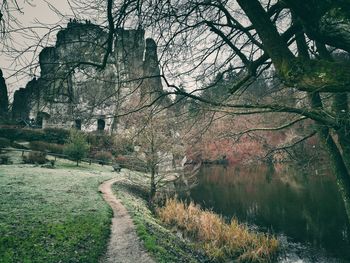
103,157
120,159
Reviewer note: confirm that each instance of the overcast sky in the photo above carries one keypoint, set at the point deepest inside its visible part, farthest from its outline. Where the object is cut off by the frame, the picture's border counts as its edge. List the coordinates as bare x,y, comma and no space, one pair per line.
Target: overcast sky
37,10
18,72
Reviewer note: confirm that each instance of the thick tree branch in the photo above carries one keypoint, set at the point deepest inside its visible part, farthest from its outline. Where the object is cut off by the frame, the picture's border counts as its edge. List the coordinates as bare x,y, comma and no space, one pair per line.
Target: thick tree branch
273,43
287,125
286,147
312,76
314,114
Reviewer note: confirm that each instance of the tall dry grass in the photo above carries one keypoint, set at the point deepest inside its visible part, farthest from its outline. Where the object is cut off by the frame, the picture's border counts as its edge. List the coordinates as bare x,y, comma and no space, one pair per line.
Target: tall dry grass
220,240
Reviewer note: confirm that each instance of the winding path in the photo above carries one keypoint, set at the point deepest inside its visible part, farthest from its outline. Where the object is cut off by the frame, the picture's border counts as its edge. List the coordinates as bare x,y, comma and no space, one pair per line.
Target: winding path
124,246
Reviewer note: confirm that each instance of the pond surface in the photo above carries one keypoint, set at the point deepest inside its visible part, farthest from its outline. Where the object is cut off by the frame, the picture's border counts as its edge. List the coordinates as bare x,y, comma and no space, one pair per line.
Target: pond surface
304,209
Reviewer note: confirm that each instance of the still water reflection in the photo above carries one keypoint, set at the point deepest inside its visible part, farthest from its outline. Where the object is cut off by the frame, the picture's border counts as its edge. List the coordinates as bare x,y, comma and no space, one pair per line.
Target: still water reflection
304,206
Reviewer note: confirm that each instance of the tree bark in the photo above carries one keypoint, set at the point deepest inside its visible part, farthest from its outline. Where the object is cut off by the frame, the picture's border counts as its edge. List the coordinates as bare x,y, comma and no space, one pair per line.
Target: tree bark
327,22
309,75
273,43
338,166
337,160
153,188
341,108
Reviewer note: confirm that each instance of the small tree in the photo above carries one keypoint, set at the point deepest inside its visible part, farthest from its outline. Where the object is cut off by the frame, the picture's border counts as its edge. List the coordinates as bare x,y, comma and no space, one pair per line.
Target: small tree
160,148
77,146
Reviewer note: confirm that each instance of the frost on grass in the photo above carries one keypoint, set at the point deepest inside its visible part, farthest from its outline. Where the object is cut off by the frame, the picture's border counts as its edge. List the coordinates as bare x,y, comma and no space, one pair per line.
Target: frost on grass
53,215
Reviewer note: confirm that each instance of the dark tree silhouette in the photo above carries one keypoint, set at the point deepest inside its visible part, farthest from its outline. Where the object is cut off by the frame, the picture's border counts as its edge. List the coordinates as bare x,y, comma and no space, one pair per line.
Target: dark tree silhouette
4,104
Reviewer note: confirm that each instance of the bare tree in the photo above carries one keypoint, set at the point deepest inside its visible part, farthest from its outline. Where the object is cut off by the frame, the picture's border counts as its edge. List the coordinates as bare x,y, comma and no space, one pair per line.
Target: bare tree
199,39
158,146
206,37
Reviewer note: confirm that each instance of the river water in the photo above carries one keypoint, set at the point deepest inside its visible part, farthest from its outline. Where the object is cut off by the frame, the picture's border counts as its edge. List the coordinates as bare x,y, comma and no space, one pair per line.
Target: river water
302,208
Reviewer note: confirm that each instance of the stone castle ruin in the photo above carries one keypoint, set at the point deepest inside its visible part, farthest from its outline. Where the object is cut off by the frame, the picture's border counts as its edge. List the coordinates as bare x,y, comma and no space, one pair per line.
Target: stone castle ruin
72,93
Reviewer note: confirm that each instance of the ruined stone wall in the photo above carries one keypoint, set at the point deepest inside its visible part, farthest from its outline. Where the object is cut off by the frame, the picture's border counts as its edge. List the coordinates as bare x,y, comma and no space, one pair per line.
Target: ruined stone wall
4,103
72,93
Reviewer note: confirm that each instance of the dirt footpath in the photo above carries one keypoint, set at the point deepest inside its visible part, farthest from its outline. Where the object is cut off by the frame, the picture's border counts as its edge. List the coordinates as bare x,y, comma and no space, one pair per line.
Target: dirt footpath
124,246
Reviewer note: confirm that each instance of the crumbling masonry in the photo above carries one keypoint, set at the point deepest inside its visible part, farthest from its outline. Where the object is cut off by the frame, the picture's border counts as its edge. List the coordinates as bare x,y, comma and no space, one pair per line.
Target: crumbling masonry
72,93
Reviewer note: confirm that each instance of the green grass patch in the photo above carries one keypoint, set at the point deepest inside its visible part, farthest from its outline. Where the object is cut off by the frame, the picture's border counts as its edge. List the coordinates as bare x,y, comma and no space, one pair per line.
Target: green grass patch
53,215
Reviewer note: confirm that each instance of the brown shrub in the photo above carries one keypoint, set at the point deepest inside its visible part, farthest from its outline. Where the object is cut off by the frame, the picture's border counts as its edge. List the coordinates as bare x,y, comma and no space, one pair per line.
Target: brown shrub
35,158
46,147
101,142
4,143
103,157
5,159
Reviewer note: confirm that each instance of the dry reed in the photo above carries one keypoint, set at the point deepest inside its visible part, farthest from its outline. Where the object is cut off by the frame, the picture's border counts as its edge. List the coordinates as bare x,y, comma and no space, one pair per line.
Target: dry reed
220,240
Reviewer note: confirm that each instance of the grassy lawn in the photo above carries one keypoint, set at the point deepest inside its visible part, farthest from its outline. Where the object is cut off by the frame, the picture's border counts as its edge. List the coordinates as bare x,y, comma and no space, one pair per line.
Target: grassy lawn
58,215
53,215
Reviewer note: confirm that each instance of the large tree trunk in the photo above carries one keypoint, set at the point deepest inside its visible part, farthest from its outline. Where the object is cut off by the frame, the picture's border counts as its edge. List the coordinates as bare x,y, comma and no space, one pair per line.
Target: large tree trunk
274,45
324,21
309,75
338,166
337,160
341,108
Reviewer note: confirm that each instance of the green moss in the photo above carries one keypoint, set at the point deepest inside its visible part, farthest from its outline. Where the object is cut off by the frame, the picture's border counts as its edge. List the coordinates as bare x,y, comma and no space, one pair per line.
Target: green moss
316,75
336,15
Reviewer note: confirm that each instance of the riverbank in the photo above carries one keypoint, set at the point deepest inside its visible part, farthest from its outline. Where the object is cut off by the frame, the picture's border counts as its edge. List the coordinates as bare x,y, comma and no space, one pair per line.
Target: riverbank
58,215
163,244
302,207
168,239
